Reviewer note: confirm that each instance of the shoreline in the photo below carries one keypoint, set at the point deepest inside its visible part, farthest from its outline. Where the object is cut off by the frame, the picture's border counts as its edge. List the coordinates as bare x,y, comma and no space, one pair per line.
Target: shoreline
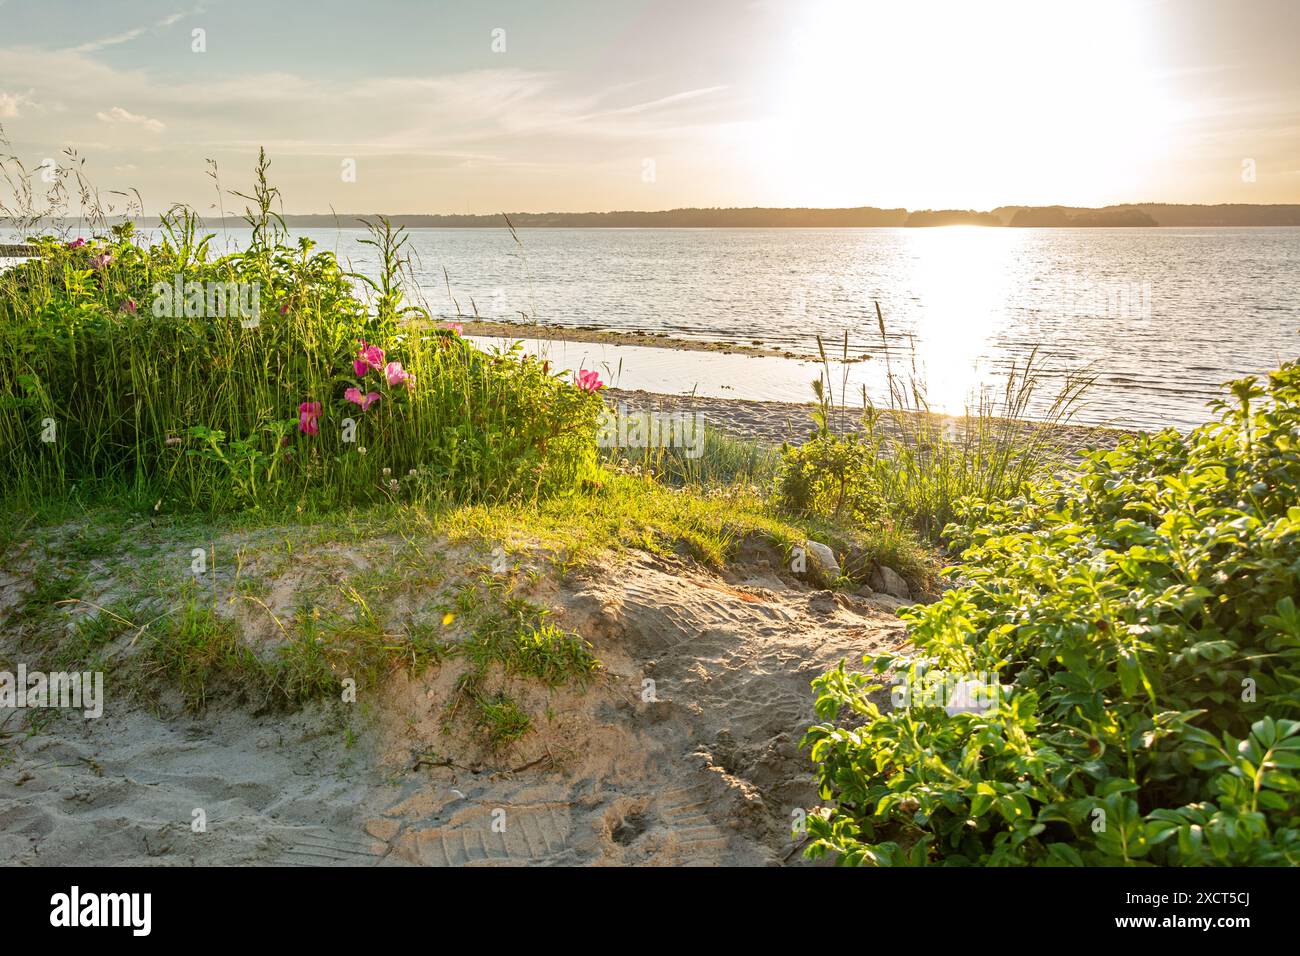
773,423
599,335
749,387
766,421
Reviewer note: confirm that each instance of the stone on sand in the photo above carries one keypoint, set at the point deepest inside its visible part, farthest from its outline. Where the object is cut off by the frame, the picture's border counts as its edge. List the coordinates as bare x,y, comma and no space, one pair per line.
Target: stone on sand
886,579
822,565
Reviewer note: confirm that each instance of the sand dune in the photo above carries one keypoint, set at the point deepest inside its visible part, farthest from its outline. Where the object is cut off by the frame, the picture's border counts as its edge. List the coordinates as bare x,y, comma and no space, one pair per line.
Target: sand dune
706,772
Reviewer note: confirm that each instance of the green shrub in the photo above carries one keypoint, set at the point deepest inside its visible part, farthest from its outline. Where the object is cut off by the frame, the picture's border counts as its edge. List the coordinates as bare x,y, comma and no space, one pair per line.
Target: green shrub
111,381
829,476
1138,628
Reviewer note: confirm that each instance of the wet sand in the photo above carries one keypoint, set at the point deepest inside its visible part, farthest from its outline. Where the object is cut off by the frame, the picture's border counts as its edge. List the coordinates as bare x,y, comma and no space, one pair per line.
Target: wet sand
602,336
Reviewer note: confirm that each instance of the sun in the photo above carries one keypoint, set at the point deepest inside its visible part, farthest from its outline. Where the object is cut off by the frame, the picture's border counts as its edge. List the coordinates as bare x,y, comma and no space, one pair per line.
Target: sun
945,103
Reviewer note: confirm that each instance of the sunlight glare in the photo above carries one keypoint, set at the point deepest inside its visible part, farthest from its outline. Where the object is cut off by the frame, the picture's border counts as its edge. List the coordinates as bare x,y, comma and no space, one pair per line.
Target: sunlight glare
959,277
901,103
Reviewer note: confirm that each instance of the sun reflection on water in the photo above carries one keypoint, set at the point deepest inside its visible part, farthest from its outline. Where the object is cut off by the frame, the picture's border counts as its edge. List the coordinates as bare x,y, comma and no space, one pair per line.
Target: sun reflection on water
958,278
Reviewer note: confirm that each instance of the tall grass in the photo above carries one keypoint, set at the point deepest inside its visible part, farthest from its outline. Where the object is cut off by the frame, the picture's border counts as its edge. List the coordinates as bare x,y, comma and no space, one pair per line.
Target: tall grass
923,462
100,395
714,457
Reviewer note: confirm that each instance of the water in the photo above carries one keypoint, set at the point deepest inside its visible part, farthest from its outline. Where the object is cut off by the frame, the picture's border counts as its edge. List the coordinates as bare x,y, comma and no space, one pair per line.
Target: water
1162,316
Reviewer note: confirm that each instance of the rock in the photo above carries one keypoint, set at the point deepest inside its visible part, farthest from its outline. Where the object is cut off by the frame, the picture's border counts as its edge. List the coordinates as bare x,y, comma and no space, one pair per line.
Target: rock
886,579
822,566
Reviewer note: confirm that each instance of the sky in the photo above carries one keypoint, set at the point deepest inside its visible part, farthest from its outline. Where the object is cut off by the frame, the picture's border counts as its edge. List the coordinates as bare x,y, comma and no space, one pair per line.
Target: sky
566,105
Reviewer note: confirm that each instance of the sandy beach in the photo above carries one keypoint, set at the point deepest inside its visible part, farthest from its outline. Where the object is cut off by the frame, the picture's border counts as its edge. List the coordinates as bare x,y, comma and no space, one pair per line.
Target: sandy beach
684,750
776,422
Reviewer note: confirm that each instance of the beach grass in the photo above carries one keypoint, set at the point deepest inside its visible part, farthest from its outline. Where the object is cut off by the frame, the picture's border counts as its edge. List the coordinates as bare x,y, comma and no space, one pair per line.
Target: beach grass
921,464
262,380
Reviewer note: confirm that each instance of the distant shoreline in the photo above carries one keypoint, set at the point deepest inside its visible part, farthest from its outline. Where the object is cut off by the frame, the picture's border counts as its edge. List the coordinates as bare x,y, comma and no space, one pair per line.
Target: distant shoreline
1131,215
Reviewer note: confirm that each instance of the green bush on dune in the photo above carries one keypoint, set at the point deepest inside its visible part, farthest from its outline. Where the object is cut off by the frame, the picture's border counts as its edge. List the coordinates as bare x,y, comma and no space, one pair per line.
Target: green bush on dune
260,378
1116,680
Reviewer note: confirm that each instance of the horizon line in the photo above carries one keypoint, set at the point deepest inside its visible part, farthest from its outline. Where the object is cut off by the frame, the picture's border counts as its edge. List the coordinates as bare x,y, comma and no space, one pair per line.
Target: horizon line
721,209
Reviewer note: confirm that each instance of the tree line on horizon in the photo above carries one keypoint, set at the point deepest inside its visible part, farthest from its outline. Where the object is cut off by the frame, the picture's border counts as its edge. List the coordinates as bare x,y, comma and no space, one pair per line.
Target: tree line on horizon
1128,214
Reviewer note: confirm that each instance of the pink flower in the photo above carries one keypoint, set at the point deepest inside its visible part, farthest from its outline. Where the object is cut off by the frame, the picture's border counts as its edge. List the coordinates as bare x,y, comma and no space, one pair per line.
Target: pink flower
101,260
365,401
396,375
588,381
128,306
456,327
75,243
308,412
369,356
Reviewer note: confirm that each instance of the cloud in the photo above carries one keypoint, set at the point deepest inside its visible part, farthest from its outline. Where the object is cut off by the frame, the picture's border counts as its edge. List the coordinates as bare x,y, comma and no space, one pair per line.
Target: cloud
664,101
10,103
127,36
504,124
119,115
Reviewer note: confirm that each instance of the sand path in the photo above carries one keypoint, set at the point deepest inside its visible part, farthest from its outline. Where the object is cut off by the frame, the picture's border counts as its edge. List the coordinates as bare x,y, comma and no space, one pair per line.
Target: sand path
700,767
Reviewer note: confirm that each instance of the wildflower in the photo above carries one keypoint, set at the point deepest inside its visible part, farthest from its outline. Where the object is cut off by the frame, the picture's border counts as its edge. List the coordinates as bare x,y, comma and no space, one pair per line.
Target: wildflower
361,449
396,375
128,306
387,471
101,260
308,413
365,401
588,381
173,440
75,243
412,473
455,327
392,485
368,357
